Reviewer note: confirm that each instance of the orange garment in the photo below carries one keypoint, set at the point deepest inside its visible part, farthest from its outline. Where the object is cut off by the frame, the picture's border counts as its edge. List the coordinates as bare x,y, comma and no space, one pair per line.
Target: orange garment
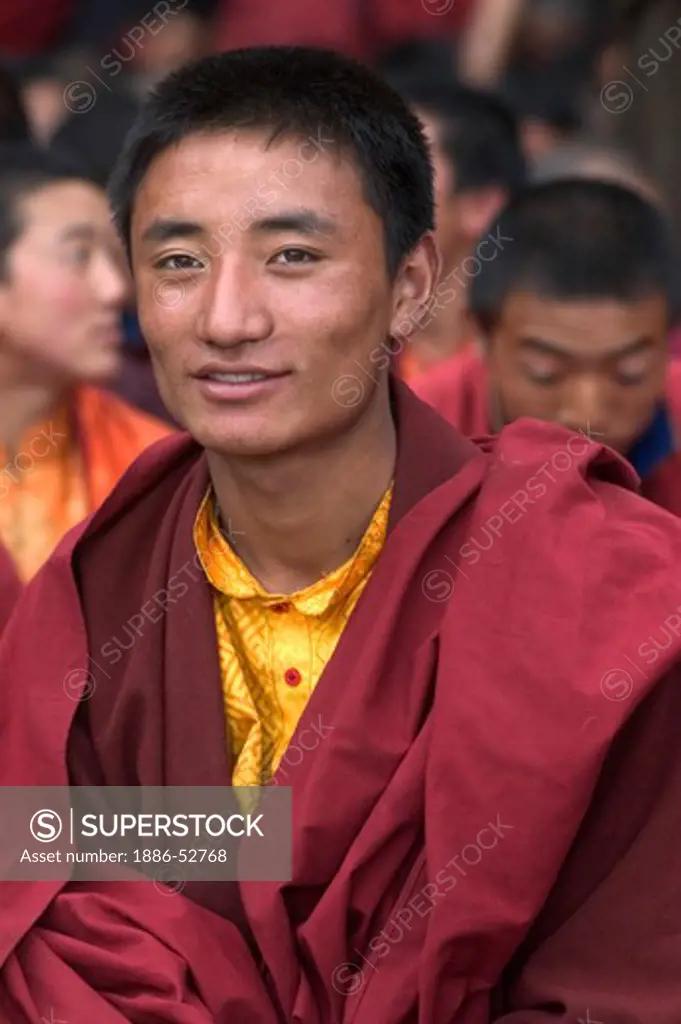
409,368
63,468
113,435
273,648
412,368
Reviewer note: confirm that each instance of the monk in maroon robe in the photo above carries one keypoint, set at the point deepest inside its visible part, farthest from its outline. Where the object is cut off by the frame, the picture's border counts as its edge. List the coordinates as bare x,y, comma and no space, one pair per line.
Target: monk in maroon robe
576,311
487,828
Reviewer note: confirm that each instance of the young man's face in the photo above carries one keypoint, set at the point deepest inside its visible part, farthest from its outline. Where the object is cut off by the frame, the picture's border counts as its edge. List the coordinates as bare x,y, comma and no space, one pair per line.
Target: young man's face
591,366
263,291
64,287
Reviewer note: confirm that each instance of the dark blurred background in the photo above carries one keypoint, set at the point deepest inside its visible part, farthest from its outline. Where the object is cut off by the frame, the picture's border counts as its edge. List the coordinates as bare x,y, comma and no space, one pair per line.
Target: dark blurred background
602,69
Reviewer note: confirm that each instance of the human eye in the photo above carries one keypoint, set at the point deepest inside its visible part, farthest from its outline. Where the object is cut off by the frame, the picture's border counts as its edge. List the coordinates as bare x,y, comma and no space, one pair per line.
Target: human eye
294,256
79,255
178,261
632,370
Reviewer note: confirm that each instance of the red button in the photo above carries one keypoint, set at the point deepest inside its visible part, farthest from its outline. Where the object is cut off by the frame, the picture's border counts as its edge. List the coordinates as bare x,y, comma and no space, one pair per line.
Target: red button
292,676
284,607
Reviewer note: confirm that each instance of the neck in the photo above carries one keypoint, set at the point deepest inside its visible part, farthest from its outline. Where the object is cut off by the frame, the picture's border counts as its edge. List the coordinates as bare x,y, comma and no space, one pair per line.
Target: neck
294,517
24,400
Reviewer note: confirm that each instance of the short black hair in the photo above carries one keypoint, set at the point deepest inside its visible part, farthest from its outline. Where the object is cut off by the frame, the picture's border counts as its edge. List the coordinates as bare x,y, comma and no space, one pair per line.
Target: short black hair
480,136
293,92
578,240
24,169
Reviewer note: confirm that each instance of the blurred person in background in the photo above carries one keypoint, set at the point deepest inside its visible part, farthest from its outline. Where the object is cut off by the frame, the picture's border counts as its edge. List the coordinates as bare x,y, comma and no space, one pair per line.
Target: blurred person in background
96,139
521,46
64,440
637,107
576,314
549,117
585,159
60,31
95,46
42,94
478,163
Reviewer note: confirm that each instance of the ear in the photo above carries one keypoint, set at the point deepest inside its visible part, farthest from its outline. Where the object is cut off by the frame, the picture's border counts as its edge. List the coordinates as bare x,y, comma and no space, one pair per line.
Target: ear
414,285
478,209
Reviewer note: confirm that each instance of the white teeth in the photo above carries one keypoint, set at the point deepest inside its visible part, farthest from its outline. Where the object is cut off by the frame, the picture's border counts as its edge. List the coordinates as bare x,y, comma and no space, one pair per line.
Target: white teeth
237,378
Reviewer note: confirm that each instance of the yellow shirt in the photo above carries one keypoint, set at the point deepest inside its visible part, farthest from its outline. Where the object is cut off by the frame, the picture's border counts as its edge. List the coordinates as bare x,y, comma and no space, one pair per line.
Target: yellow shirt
274,647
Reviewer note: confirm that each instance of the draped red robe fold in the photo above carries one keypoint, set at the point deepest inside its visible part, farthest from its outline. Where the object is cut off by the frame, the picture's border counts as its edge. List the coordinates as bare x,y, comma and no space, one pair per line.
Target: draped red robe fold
459,389
489,822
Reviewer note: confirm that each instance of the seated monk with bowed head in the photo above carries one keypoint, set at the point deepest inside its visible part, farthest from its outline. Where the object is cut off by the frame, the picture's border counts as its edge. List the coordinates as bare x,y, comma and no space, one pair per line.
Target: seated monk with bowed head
487,826
576,315
64,441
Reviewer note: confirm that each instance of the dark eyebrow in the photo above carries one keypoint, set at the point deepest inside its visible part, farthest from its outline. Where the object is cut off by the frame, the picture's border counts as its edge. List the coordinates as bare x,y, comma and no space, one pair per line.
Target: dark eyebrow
163,230
551,348
78,232
301,222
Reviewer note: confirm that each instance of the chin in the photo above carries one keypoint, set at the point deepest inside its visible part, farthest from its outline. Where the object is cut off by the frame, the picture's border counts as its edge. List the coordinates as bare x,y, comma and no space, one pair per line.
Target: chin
237,441
100,371
245,446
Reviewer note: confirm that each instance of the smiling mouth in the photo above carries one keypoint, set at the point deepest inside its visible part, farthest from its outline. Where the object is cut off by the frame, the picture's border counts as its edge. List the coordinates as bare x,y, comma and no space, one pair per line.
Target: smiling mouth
239,378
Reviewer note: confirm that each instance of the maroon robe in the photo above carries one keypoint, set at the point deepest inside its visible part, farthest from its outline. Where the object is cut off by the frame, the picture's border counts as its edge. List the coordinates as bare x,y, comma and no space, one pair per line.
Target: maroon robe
490,827
10,587
458,388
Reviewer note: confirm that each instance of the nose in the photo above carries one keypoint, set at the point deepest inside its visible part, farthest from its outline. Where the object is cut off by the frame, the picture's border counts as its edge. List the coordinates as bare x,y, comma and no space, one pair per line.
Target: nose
233,308
586,406
110,281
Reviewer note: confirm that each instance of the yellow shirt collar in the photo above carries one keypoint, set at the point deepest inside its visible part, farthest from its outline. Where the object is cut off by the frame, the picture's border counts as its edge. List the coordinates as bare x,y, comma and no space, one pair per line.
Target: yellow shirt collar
230,576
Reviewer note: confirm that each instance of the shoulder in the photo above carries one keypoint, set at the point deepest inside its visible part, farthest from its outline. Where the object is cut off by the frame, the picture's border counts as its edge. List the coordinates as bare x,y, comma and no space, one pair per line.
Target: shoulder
561,504
567,580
